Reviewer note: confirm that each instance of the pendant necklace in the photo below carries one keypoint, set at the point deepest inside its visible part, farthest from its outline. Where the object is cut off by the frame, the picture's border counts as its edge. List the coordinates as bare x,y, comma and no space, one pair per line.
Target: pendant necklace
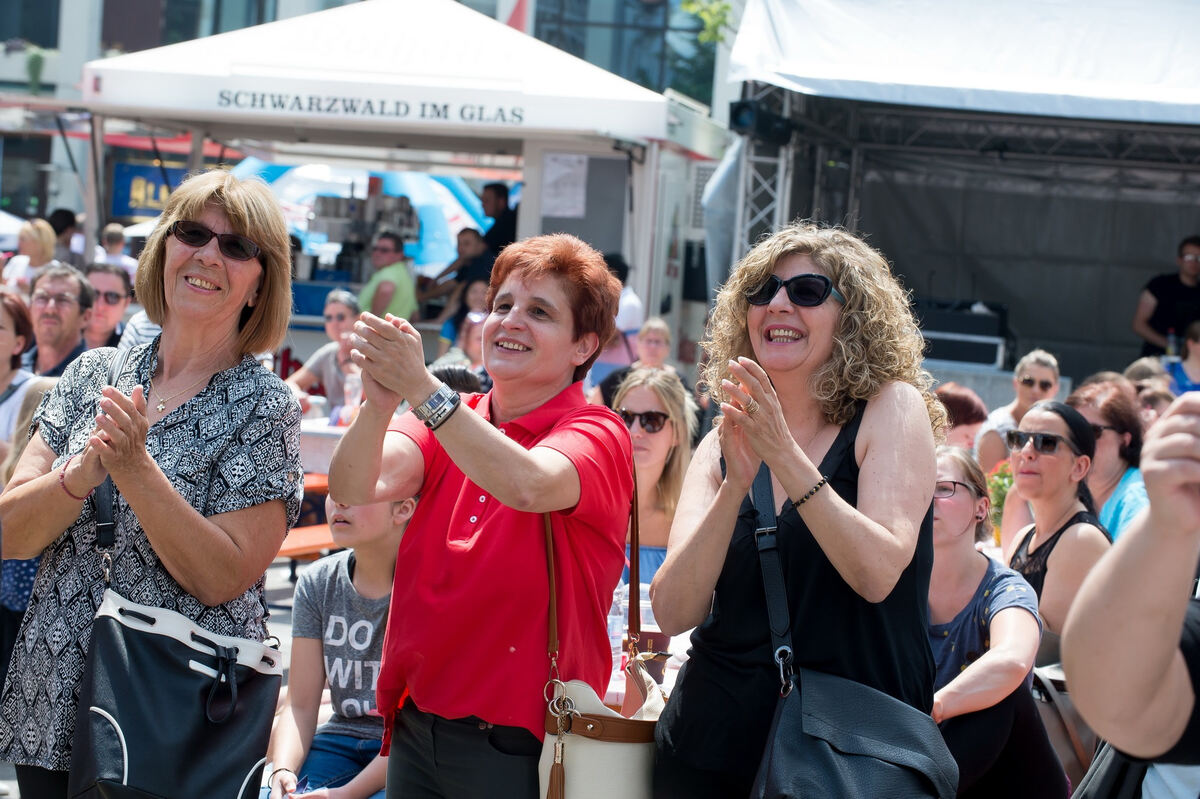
162,401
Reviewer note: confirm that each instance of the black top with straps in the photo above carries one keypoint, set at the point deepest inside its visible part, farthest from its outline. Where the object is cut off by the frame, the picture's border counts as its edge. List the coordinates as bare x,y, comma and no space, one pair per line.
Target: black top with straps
722,704
1032,565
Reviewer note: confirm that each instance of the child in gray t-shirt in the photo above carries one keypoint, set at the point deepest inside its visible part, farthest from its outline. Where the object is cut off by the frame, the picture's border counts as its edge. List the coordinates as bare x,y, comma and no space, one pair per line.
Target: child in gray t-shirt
338,622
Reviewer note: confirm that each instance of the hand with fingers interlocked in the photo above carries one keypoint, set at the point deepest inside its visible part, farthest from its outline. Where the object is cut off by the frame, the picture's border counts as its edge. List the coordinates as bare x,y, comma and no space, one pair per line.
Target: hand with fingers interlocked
392,357
754,407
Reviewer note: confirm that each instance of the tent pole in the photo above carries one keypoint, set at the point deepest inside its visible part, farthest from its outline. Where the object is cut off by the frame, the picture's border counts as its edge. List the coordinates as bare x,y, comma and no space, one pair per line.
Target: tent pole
93,189
855,193
196,153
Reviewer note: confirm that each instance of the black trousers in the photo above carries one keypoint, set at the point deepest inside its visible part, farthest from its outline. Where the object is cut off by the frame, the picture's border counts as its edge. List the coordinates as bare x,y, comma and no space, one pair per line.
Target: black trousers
675,779
1003,751
34,781
437,758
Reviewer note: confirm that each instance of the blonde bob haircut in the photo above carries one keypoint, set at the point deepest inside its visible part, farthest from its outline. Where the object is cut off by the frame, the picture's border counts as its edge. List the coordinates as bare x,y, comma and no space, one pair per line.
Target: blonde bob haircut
40,233
253,212
681,410
876,340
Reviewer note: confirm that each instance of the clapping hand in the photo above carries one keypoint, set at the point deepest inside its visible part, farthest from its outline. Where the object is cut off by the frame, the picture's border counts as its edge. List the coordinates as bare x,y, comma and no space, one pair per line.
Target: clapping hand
119,440
1170,464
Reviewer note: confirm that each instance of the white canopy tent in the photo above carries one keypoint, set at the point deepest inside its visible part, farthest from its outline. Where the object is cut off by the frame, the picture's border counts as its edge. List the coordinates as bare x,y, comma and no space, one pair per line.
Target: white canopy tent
1091,59
1017,152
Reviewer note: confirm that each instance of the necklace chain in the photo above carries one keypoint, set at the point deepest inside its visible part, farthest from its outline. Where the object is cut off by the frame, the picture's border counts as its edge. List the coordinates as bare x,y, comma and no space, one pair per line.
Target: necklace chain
162,401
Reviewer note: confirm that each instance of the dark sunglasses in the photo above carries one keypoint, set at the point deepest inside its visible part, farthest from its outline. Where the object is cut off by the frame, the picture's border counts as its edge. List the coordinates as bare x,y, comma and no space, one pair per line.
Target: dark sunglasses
652,421
1044,443
1098,429
110,297
807,291
231,245
1029,382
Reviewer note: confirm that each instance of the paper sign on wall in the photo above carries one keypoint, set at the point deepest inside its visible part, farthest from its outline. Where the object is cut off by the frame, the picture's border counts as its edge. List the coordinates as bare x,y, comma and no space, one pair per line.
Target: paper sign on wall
564,185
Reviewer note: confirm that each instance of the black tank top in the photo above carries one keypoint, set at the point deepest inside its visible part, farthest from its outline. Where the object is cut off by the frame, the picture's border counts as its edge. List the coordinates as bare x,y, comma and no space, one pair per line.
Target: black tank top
1032,565
723,702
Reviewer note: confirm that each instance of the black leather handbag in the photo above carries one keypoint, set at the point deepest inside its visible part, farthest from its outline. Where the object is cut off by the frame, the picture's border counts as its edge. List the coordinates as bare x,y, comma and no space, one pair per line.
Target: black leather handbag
831,736
167,708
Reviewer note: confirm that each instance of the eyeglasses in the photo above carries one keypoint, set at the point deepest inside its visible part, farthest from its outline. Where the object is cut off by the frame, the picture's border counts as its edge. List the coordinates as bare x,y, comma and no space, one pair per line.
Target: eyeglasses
944,489
231,245
110,297
41,299
1191,256
652,421
1029,382
1098,429
1043,443
336,317
807,291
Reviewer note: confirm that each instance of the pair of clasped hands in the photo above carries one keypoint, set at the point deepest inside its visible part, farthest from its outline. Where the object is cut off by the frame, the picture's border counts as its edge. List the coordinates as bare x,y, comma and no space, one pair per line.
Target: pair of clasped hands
753,429
391,355
117,444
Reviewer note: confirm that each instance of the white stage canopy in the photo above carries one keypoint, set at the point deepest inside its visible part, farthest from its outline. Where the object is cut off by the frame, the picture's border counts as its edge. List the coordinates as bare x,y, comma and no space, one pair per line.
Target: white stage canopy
1089,59
413,73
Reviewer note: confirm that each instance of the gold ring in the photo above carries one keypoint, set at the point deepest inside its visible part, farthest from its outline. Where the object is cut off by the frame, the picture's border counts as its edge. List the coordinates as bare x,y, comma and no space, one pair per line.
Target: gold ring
752,406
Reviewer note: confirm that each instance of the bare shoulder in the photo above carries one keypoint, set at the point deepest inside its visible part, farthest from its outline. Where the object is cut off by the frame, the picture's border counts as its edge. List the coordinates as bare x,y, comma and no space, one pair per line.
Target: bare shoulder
895,400
1084,536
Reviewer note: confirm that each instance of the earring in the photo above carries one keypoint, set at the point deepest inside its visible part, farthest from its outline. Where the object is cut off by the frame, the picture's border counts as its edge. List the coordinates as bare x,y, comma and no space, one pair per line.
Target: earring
979,517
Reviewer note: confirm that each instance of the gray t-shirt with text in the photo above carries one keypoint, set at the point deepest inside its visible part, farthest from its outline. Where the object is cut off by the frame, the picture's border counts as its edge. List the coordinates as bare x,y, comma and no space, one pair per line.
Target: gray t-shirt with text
350,629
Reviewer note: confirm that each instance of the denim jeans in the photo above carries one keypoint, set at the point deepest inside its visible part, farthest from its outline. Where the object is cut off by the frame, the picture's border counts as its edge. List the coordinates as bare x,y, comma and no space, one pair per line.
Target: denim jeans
333,760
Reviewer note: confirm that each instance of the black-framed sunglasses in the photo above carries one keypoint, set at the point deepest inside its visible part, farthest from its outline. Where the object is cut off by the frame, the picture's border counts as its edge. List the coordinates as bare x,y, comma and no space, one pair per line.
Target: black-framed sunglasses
1098,429
944,489
652,421
1043,443
110,297
807,291
1029,381
231,245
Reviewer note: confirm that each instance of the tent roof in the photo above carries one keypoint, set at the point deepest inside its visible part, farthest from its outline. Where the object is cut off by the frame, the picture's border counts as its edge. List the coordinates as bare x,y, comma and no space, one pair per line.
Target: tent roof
1092,59
414,73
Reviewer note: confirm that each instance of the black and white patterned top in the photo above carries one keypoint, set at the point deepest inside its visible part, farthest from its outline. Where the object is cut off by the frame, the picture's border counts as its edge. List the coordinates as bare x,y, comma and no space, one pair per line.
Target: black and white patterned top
234,445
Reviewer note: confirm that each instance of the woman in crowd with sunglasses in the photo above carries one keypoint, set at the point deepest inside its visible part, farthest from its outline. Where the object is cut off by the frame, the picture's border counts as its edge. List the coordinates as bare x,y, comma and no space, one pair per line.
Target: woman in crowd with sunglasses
330,363
1114,479
660,414
1051,454
1034,379
815,358
984,630
203,448
465,659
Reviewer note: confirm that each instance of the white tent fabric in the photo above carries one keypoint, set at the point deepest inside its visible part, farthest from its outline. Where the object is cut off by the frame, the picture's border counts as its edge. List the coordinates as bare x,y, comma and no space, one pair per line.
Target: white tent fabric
1091,59
395,67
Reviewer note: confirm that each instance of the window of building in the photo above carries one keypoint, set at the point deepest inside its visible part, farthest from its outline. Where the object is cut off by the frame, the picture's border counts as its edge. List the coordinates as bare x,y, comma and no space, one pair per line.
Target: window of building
23,175
35,21
651,42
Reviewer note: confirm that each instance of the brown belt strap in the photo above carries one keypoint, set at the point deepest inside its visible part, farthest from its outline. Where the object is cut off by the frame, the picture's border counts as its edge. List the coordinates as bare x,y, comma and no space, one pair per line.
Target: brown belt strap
604,728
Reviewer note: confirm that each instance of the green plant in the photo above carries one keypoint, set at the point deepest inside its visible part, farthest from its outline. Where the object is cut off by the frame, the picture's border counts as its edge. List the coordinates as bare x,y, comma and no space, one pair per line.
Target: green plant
999,481
714,14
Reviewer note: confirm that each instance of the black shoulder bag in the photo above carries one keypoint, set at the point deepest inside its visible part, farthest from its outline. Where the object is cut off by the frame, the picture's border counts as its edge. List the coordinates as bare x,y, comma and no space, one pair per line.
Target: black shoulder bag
167,708
832,736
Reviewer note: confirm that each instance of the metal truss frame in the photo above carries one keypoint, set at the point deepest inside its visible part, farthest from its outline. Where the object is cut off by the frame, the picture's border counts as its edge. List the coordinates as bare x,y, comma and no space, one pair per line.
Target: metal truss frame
766,172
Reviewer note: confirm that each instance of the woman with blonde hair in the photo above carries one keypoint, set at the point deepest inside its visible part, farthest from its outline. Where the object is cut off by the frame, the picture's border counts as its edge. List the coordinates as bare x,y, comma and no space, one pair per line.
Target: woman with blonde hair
35,249
661,417
203,447
1034,379
815,357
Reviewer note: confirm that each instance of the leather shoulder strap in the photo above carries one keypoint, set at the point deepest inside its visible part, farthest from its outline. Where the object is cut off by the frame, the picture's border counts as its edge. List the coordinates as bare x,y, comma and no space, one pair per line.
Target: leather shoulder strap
106,536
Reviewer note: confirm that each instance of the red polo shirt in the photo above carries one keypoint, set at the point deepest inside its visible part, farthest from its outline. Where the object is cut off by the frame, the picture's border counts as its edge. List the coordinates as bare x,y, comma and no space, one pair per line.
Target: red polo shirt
466,633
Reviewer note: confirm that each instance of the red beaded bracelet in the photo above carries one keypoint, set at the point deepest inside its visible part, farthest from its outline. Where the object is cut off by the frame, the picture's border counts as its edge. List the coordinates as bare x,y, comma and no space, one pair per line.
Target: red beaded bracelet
62,482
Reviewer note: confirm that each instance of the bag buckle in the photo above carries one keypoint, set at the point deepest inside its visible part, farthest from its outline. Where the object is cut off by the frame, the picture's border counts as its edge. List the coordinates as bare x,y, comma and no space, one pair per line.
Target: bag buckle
106,561
783,656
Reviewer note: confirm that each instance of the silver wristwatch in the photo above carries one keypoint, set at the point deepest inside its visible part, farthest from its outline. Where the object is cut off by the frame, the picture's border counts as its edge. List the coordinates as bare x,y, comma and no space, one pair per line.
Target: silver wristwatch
438,407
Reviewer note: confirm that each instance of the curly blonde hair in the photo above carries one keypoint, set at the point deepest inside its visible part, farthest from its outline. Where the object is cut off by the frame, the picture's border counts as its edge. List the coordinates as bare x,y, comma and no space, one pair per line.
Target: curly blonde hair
876,340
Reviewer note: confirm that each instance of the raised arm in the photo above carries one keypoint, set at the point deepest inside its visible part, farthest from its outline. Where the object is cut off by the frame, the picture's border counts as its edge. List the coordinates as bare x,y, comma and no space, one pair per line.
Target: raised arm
1014,635
682,590
1121,641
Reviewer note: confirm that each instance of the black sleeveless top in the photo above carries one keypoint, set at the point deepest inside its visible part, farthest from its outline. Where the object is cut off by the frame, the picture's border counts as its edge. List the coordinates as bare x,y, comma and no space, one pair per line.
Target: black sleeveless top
721,708
1032,566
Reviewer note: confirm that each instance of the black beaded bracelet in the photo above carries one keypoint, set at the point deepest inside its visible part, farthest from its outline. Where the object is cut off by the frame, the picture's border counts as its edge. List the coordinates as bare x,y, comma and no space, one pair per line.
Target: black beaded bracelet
810,493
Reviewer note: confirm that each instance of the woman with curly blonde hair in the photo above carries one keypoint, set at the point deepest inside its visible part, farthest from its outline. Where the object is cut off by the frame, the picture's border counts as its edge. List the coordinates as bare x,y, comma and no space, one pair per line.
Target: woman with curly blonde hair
815,358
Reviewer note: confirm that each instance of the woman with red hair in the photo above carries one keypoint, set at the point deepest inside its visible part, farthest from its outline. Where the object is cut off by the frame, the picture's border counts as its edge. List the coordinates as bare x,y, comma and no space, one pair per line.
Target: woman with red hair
465,662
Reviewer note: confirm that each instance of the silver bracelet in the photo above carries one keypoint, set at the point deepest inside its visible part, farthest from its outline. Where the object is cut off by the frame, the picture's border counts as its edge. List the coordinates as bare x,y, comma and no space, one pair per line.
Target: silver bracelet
437,409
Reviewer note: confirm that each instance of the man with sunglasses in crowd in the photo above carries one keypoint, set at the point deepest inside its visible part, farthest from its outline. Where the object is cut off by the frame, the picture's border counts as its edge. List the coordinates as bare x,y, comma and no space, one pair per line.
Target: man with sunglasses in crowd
1170,302
113,293
60,306
391,289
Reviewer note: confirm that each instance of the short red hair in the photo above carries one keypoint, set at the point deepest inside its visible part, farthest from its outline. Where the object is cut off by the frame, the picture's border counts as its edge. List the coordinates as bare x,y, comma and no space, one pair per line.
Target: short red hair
592,291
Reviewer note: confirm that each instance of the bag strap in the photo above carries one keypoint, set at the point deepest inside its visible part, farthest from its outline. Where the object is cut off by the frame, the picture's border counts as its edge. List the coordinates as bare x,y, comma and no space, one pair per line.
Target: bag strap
635,564
106,537
552,614
766,541
1066,711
